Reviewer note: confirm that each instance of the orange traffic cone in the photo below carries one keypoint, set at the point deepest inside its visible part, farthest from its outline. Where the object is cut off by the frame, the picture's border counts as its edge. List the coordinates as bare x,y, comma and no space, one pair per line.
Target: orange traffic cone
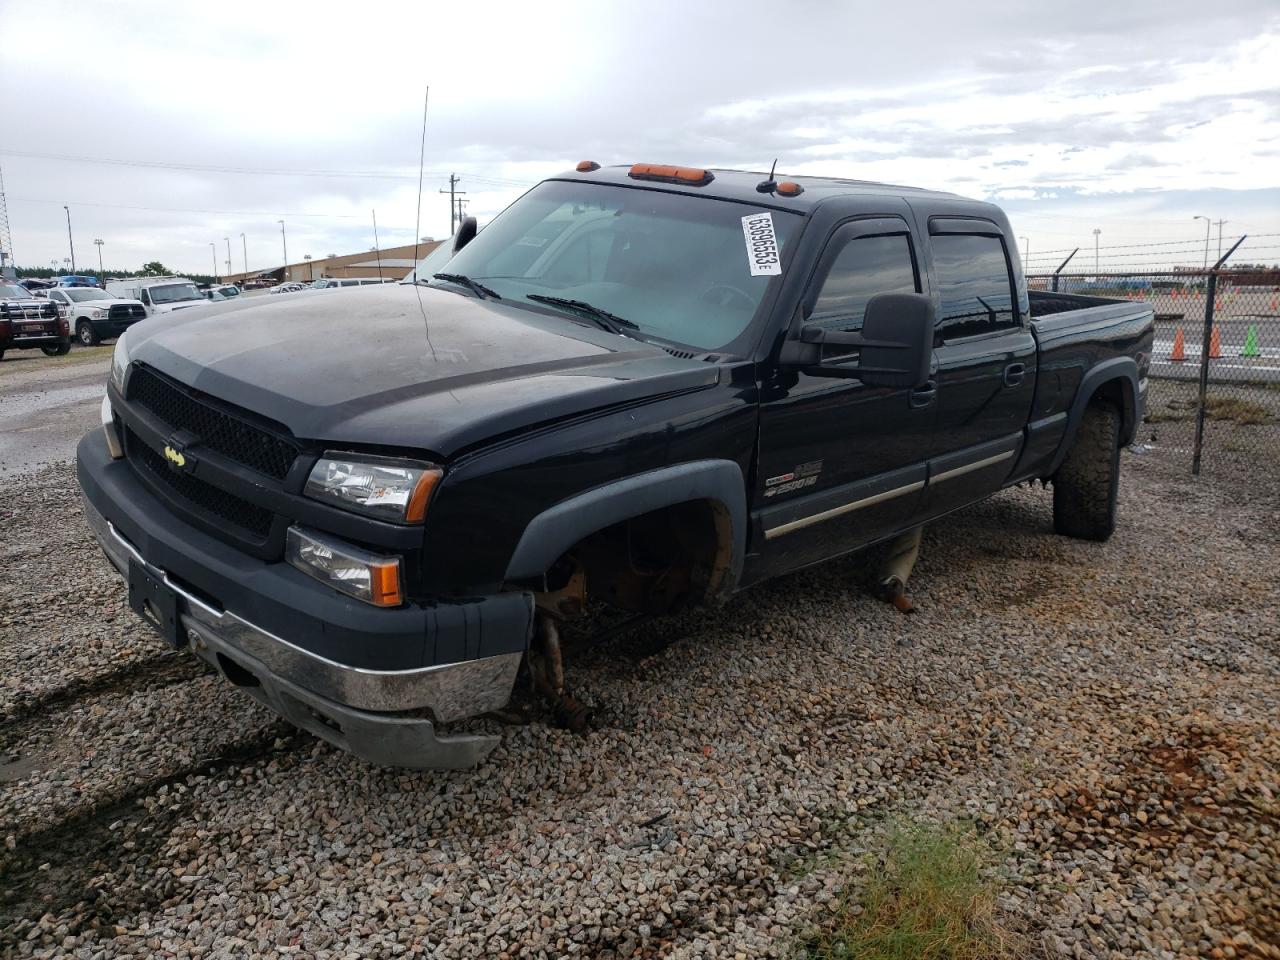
1215,345
1179,351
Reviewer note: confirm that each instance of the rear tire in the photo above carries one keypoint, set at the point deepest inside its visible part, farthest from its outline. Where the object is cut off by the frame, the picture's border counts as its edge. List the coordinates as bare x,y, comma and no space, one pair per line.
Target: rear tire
85,334
1086,485
61,350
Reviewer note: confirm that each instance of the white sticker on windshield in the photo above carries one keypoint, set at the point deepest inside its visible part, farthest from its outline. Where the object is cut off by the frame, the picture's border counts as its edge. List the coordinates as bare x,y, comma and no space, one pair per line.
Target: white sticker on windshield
762,245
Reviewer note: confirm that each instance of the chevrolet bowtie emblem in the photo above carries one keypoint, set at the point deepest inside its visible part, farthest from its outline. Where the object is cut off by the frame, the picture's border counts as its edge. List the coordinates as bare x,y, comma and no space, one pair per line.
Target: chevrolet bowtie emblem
175,457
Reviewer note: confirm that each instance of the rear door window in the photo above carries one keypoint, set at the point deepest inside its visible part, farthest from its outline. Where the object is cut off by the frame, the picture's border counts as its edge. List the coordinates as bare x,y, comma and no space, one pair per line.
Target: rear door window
975,285
865,266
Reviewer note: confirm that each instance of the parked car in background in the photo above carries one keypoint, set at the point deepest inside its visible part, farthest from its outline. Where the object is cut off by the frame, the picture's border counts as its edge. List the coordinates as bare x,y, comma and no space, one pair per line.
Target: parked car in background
330,283
158,294
27,322
291,286
34,283
77,280
222,291
94,314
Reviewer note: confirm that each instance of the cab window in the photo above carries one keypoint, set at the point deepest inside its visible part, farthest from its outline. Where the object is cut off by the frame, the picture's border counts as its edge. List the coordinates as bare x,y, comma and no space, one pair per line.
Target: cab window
865,267
975,285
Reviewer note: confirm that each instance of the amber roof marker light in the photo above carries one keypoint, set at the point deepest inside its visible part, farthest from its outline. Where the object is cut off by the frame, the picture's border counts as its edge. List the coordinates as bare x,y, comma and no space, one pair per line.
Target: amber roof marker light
692,176
587,166
787,188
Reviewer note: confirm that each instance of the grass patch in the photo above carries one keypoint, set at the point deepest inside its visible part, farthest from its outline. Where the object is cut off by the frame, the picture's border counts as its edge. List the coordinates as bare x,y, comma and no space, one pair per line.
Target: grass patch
1234,409
927,900
1243,412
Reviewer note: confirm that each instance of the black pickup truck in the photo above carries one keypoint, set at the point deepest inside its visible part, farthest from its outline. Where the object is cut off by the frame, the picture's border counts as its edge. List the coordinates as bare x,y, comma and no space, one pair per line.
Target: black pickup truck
638,387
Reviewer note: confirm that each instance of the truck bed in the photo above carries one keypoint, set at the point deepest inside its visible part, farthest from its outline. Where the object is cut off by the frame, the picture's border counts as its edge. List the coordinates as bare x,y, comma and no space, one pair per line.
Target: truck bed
1079,336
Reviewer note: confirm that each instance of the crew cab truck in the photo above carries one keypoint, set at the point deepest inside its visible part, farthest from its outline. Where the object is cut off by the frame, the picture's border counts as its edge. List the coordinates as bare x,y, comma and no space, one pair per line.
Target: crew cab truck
95,315
27,322
158,294
648,386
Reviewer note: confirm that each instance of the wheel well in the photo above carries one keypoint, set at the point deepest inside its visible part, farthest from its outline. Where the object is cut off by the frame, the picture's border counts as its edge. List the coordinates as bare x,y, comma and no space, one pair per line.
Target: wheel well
651,563
1116,392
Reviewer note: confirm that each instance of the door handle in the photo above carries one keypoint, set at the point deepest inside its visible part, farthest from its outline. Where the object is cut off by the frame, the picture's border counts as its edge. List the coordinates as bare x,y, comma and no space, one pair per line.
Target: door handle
925,395
1014,373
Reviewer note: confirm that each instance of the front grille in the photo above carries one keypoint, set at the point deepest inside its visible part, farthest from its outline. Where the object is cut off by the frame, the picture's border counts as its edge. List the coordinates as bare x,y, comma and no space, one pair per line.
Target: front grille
126,311
28,311
226,507
237,439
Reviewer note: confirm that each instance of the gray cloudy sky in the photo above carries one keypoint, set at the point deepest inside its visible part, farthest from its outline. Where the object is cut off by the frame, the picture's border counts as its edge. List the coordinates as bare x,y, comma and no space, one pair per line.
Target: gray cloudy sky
224,117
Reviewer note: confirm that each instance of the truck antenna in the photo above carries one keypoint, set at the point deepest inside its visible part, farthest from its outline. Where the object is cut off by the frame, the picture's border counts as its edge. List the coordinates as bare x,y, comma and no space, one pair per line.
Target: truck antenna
417,223
770,185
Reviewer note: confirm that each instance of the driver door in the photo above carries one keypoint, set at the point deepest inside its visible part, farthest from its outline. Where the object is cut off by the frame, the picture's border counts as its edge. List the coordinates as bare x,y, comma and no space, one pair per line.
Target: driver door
841,464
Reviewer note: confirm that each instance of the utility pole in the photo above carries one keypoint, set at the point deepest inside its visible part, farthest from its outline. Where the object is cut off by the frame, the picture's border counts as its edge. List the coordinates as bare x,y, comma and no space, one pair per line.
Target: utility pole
71,243
101,272
1207,224
214,248
454,205
1220,223
376,246
285,241
245,243
8,266
1097,232
228,241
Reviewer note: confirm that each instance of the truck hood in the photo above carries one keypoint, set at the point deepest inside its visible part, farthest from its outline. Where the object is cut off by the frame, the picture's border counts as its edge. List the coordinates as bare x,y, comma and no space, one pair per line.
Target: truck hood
406,366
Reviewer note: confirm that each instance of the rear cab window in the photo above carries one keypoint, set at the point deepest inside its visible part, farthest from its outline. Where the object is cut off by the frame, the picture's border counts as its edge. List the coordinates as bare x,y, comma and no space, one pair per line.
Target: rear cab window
975,285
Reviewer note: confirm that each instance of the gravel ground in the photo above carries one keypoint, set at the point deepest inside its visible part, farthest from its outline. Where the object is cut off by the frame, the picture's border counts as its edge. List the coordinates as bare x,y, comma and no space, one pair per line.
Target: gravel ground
1107,715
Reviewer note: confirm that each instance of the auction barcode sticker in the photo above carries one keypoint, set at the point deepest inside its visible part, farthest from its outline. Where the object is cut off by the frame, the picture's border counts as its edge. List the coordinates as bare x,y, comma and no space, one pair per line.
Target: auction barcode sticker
762,245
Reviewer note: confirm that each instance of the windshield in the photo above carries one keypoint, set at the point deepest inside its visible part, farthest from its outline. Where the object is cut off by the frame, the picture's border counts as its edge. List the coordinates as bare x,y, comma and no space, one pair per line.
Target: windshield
229,291
10,291
433,262
81,294
172,292
678,267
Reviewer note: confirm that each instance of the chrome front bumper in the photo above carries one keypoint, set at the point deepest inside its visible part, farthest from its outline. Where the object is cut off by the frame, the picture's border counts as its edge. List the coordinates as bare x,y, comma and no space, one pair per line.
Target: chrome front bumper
360,710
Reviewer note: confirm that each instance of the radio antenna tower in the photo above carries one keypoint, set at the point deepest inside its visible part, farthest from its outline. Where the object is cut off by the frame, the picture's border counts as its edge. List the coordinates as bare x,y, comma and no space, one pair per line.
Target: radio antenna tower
8,269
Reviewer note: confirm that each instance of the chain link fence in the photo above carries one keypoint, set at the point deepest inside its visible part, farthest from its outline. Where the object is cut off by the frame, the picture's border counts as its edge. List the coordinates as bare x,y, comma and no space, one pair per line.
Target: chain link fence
1215,371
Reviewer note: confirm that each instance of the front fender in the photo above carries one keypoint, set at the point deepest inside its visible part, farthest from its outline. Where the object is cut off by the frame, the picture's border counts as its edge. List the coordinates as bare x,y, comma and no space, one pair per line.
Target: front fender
552,532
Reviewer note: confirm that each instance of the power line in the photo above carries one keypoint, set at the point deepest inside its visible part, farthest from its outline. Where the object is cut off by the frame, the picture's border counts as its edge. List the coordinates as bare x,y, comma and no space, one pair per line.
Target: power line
252,171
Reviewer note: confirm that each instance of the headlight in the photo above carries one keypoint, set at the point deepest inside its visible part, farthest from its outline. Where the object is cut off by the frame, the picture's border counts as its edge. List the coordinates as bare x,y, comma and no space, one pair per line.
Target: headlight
95,313
120,361
370,577
379,487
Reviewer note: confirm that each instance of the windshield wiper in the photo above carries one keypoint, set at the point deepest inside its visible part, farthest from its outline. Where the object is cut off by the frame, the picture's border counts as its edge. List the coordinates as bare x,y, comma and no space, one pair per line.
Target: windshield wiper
479,289
609,321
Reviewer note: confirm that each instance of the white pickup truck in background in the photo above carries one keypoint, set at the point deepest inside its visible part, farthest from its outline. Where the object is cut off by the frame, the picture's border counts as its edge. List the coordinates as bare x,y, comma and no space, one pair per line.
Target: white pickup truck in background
94,314
158,294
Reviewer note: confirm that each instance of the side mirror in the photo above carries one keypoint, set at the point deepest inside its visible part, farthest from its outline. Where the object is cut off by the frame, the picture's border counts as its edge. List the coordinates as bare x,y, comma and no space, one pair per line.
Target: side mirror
466,233
895,344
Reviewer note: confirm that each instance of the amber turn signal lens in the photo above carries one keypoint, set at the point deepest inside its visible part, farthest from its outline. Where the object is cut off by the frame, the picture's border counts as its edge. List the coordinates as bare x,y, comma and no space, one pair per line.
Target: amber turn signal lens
789,188
586,166
416,510
386,584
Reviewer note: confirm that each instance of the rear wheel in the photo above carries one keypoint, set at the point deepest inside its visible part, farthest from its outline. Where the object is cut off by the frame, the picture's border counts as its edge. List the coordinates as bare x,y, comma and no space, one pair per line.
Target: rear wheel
1086,485
61,350
85,334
